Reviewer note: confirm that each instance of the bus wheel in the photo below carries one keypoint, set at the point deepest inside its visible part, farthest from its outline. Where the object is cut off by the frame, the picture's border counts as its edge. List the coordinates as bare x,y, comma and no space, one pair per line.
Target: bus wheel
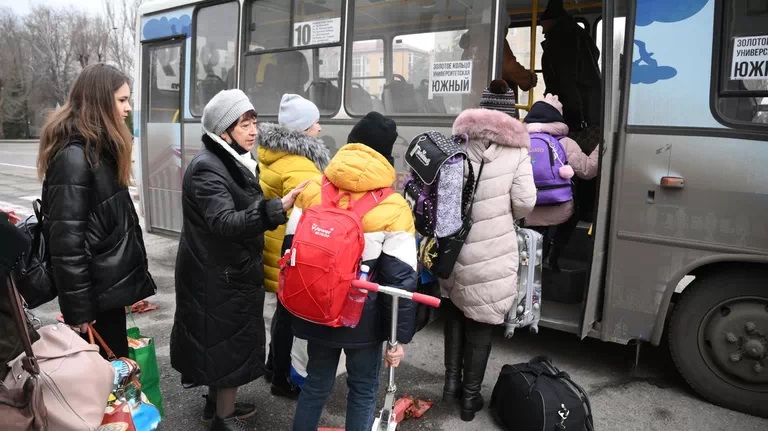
718,338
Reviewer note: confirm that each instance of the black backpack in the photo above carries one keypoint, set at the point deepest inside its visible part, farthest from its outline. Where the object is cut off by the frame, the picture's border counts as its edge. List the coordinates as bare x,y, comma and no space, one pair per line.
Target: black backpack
34,274
538,397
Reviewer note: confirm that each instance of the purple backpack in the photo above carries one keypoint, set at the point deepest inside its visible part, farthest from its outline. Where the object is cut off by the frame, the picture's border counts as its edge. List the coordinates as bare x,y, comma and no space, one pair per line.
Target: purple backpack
547,157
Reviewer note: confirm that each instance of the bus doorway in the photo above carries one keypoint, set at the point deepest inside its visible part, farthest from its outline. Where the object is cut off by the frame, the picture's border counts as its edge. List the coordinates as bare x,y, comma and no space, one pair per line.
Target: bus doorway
161,132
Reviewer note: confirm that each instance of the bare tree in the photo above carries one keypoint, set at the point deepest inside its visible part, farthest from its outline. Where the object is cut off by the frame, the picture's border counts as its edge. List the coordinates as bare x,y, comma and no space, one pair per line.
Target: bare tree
90,39
50,38
121,18
16,80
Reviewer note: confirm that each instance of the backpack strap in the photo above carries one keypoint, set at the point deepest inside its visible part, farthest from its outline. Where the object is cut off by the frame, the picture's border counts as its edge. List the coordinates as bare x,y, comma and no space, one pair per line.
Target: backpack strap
331,195
370,200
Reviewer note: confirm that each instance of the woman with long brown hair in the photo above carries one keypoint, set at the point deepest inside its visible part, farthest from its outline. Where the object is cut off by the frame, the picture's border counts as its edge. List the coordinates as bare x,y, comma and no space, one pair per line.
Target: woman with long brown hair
96,245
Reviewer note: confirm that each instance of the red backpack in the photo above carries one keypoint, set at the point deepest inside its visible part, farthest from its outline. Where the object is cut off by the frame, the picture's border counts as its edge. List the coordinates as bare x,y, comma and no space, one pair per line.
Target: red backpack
317,273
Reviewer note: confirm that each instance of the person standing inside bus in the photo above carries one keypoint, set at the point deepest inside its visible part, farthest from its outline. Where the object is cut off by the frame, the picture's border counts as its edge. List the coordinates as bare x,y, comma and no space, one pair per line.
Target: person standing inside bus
483,285
96,245
364,164
569,63
546,116
218,336
289,154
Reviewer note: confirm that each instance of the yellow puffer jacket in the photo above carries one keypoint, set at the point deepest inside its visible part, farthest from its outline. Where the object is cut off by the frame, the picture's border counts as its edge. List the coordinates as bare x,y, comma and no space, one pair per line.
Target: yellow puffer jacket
390,247
286,159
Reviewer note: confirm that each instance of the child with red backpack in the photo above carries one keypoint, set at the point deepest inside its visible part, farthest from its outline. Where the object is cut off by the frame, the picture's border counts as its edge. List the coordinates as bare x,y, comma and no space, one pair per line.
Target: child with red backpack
555,158
344,221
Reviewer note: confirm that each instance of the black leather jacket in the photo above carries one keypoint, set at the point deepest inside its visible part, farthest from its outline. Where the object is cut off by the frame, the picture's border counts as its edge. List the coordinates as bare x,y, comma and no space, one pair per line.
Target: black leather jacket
95,240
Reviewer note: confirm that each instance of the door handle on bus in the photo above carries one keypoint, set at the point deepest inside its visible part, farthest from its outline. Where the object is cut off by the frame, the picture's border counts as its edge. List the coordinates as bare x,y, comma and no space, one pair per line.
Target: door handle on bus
668,182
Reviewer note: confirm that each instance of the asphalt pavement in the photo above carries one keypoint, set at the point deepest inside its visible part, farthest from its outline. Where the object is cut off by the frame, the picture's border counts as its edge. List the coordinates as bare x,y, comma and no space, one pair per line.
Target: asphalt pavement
652,397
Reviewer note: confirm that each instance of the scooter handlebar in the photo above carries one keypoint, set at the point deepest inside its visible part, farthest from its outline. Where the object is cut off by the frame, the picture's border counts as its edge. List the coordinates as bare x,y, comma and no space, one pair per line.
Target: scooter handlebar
426,299
417,297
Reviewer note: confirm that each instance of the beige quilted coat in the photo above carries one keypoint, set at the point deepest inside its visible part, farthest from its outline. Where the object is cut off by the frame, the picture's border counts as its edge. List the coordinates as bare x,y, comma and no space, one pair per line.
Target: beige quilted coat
484,280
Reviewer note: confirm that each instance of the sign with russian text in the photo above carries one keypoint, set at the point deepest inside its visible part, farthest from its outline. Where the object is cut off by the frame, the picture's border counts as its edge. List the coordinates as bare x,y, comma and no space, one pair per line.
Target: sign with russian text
316,32
750,58
450,77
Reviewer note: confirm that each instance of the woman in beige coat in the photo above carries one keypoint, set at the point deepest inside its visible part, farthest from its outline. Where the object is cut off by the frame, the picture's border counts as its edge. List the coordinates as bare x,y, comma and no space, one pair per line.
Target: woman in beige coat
482,287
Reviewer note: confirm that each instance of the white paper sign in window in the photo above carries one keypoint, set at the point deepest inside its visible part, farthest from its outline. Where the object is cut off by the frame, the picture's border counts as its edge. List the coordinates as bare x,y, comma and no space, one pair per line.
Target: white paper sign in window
750,58
317,32
450,77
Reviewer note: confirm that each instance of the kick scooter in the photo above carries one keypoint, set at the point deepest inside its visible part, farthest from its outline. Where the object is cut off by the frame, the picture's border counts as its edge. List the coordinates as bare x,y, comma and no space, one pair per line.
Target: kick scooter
386,421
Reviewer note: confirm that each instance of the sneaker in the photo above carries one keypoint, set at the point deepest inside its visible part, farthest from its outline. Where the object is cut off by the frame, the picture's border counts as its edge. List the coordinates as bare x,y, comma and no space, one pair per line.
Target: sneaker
232,423
285,388
242,410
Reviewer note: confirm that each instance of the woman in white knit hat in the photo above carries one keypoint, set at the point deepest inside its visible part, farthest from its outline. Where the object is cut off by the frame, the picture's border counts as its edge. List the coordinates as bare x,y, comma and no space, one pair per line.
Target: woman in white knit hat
218,337
289,154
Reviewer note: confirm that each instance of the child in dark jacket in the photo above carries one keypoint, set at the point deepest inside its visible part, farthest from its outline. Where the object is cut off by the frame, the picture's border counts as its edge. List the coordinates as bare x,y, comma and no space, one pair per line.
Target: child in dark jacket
363,165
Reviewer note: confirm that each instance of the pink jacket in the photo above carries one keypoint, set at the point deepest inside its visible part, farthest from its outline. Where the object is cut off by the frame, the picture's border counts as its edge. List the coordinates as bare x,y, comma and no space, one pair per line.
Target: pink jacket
584,166
483,284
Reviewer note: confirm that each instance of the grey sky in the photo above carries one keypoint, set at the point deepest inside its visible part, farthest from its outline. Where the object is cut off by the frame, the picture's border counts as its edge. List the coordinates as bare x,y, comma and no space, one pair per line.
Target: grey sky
23,6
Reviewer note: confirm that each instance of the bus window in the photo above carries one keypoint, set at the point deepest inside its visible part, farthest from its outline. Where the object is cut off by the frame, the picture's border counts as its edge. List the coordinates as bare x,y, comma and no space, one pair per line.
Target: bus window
618,37
367,76
742,96
438,55
215,51
519,39
293,47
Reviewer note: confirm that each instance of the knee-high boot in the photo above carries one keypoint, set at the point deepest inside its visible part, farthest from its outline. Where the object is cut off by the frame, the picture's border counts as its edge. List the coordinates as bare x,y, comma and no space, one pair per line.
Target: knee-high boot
453,333
477,349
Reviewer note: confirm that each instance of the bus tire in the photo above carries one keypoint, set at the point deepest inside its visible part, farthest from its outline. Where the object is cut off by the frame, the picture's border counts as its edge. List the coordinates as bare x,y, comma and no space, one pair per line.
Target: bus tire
718,338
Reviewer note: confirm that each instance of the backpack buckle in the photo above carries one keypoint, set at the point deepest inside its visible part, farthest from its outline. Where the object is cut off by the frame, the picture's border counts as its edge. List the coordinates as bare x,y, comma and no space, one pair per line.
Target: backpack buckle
563,412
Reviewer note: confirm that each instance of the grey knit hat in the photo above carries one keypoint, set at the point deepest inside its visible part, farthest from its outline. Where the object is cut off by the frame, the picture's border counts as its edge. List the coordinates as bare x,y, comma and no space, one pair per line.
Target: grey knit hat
297,113
225,109
499,97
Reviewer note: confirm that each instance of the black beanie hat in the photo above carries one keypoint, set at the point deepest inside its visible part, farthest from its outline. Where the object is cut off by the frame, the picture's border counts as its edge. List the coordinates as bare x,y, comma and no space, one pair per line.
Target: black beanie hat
376,131
543,112
554,10
14,242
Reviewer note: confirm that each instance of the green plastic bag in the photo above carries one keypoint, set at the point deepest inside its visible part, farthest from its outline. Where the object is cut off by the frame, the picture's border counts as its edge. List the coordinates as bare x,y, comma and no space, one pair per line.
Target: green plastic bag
146,357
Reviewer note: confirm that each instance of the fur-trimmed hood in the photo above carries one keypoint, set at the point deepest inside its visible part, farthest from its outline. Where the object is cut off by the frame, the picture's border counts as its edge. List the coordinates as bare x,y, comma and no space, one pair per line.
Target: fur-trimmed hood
554,129
281,141
492,127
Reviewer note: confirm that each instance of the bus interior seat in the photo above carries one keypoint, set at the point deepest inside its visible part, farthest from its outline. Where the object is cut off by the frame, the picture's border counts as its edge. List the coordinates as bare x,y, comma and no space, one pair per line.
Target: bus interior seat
436,105
324,94
399,96
293,73
212,83
265,93
359,101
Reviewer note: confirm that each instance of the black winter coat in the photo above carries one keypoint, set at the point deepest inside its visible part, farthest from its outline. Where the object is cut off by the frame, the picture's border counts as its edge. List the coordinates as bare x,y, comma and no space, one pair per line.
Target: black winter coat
569,62
95,240
218,336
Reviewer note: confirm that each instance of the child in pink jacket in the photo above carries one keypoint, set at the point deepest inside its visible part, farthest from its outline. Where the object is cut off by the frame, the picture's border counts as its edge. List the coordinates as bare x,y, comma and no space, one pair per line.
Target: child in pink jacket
546,116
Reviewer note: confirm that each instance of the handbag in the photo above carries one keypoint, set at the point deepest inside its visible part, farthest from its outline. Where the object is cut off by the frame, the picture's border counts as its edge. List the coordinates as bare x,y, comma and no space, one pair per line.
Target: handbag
142,350
439,255
33,274
22,407
76,379
127,406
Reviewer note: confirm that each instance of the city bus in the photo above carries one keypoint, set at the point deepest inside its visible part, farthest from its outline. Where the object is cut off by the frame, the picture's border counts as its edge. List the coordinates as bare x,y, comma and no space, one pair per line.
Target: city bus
672,241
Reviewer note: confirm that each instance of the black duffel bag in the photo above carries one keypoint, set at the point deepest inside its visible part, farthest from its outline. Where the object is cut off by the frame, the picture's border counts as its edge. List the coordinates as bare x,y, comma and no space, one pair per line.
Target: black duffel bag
538,397
33,274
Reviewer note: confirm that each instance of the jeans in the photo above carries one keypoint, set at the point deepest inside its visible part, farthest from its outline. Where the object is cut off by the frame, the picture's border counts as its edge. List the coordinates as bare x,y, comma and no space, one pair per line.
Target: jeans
363,367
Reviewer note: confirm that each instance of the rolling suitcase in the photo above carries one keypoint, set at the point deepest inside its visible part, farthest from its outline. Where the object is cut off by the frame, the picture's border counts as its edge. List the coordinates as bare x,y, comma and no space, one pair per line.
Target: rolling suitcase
527,312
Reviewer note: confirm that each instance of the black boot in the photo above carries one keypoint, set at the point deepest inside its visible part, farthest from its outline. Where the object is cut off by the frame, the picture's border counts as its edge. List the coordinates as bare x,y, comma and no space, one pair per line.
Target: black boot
477,349
453,334
282,386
